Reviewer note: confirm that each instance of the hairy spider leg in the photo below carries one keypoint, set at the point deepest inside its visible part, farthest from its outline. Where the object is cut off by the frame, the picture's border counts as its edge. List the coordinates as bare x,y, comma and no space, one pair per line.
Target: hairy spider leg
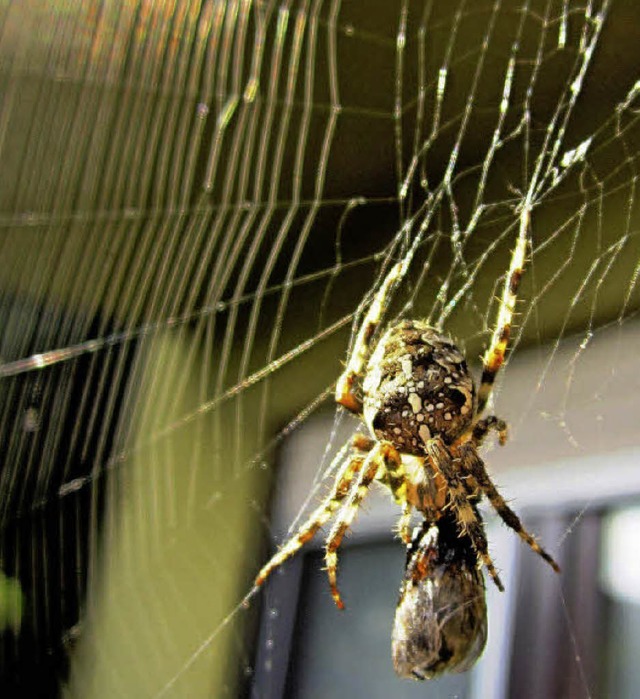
484,426
384,457
404,523
395,478
494,356
472,463
317,519
466,515
345,394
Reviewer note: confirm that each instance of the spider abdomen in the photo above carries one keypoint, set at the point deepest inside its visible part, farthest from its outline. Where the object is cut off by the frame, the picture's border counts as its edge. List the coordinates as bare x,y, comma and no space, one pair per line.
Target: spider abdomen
417,386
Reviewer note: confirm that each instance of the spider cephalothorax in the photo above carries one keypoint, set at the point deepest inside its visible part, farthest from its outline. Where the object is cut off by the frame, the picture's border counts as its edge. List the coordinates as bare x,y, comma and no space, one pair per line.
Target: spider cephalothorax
413,391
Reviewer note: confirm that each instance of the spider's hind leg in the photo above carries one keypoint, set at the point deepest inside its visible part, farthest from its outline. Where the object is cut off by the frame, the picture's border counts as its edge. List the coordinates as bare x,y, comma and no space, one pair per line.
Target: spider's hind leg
473,464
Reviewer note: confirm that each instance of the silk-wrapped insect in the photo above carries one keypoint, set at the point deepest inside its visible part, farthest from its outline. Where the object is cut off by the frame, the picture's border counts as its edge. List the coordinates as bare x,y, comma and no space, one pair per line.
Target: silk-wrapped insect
441,619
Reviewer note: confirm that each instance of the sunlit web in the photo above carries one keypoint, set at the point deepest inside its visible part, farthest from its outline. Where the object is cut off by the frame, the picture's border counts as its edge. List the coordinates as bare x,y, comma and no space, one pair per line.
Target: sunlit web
199,200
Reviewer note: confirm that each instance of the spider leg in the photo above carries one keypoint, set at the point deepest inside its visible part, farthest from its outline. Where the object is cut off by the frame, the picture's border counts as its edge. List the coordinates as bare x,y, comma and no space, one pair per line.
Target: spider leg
395,478
483,427
465,513
473,464
393,474
380,456
404,523
494,356
320,516
345,394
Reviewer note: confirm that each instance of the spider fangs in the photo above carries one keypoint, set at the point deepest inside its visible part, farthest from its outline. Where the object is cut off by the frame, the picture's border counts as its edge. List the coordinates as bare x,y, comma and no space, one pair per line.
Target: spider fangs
418,400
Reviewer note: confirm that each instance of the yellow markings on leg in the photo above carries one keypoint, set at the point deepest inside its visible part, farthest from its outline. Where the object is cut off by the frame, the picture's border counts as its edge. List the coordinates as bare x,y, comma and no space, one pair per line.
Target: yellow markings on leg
345,518
494,356
317,519
392,472
293,545
479,431
404,523
473,528
361,348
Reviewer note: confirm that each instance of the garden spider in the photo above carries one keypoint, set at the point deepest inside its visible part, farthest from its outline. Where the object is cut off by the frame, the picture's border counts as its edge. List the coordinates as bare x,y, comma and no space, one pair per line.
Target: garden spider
415,394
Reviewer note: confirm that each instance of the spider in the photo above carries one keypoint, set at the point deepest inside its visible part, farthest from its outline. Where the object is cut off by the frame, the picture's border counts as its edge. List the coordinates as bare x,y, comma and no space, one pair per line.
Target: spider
415,394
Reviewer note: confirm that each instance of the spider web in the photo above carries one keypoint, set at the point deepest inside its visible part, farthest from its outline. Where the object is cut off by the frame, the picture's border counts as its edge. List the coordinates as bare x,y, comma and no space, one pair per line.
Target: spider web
199,200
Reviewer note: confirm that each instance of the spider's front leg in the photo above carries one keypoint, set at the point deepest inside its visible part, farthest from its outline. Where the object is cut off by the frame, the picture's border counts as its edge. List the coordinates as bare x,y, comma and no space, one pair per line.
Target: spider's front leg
346,386
458,495
473,464
482,428
495,354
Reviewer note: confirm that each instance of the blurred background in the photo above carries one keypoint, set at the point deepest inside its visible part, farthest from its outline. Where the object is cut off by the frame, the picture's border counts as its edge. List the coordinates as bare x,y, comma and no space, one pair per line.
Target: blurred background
198,200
